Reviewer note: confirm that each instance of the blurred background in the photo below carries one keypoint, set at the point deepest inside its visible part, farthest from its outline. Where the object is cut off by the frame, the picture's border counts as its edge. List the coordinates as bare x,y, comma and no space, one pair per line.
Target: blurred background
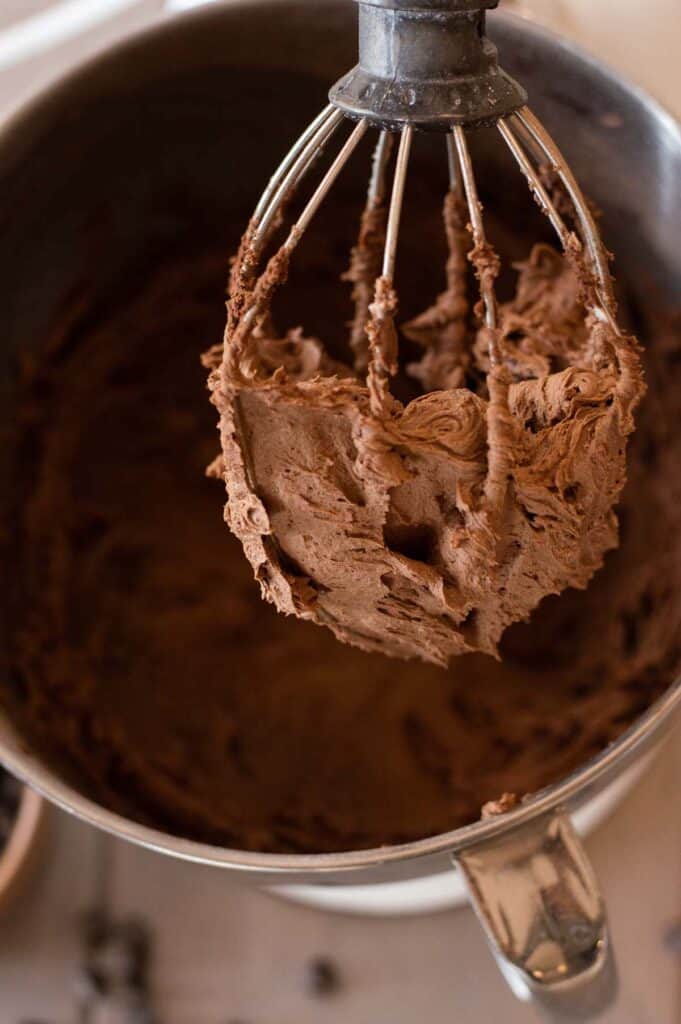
92,930
40,37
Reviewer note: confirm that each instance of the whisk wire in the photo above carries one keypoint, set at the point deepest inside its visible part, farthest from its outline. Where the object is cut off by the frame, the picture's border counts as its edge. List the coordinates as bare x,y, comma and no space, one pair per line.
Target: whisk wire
536,186
324,187
291,171
396,202
477,226
530,145
455,182
289,180
597,253
379,167
293,153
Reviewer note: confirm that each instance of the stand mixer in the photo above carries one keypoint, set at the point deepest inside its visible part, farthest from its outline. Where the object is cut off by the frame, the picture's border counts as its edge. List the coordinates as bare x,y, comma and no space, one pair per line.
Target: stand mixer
197,141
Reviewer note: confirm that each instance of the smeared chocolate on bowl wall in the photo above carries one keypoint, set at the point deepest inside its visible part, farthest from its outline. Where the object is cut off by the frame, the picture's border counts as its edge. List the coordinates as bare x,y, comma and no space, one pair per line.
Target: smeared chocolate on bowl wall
145,662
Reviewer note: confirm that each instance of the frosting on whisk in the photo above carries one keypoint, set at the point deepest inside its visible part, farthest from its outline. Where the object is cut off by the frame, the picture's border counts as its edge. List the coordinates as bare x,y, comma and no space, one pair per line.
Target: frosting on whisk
425,529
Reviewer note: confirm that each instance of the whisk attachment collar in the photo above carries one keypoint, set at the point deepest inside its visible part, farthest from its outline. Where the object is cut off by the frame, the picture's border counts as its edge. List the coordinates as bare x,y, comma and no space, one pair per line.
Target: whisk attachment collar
427,63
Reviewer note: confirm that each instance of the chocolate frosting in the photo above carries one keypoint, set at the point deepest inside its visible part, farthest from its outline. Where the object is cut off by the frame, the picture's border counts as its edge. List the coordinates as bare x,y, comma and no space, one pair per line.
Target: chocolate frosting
426,529
142,661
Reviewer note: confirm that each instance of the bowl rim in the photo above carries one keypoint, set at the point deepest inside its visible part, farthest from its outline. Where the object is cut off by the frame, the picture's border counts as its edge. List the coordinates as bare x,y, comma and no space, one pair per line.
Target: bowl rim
21,840
591,774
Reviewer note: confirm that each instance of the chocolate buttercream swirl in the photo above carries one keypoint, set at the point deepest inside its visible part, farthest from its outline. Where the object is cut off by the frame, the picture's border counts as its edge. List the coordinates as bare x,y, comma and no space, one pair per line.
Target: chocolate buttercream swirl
426,529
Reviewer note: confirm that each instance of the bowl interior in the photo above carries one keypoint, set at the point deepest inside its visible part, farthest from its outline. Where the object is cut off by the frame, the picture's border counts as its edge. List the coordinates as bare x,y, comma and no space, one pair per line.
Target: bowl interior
123,191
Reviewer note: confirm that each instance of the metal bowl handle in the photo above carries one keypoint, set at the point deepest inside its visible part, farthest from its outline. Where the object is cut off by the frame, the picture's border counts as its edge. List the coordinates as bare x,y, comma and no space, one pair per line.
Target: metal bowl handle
539,902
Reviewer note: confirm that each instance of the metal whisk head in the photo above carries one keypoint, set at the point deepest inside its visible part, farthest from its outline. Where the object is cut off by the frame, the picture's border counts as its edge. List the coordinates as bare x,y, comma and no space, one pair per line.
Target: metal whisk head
464,573
428,65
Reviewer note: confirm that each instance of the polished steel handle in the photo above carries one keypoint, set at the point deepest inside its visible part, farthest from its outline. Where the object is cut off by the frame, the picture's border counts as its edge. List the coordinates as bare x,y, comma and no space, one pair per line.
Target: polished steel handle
538,899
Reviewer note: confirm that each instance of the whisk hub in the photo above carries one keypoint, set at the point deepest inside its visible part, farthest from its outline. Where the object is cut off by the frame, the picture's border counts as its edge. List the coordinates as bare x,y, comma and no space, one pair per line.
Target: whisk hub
427,63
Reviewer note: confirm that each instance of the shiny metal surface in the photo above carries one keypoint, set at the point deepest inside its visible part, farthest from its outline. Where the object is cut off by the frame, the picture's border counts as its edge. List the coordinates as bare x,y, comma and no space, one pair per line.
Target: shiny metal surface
643,225
325,186
538,900
407,64
404,54
534,181
396,203
428,64
292,169
470,190
526,872
548,150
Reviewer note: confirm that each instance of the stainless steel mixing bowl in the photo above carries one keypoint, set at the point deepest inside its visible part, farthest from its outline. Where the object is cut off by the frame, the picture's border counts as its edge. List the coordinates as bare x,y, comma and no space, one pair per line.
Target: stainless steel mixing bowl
174,131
